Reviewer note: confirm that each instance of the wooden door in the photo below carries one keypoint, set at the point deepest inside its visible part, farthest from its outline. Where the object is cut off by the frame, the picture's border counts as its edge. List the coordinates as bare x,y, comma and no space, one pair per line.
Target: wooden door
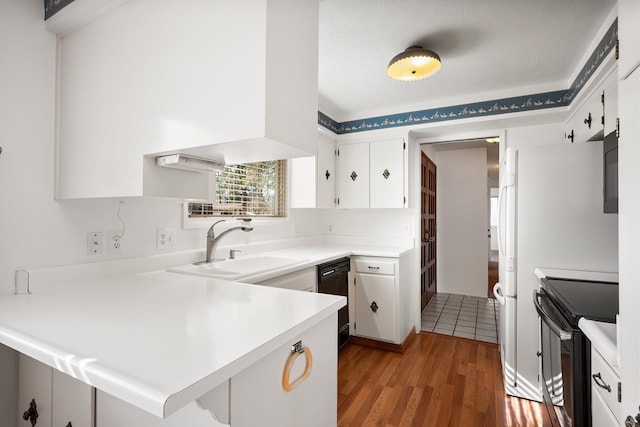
428,286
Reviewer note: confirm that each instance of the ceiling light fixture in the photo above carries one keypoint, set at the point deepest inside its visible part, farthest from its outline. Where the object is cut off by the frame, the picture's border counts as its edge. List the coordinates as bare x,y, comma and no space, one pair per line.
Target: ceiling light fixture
415,63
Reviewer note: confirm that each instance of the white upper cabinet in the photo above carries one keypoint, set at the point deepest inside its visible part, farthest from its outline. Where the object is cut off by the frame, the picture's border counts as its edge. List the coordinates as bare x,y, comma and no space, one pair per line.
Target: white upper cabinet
610,100
628,34
326,172
313,179
202,77
353,176
372,175
387,177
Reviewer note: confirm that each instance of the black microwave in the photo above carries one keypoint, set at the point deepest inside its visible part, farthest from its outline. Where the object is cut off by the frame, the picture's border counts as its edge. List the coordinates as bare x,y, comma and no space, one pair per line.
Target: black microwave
610,174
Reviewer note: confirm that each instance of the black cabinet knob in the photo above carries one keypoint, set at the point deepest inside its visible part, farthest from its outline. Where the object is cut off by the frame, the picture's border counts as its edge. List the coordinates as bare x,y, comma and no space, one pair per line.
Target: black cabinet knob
31,414
374,307
587,121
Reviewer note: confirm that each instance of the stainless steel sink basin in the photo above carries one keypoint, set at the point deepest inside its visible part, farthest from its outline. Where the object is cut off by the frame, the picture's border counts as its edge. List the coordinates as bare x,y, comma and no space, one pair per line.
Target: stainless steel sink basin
237,268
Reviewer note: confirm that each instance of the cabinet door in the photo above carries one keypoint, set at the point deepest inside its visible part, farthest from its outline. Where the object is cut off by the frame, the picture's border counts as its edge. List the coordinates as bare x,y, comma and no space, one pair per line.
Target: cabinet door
35,383
586,122
610,104
326,173
601,416
375,307
386,174
73,401
302,188
353,176
628,34
257,394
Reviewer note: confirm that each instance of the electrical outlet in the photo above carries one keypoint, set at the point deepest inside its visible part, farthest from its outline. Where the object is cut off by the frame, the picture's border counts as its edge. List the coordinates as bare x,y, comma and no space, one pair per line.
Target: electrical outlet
165,238
114,242
94,243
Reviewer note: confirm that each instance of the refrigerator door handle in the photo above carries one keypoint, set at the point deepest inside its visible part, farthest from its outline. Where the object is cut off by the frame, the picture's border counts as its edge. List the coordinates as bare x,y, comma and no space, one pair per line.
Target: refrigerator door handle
497,292
500,198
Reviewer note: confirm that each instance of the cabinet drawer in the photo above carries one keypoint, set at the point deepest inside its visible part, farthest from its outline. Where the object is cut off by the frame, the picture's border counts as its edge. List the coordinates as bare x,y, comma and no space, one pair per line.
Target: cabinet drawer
375,267
601,415
605,382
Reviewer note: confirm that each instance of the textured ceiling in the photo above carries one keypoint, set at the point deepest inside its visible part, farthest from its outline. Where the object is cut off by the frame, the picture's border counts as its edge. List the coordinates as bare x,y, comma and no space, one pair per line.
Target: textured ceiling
489,49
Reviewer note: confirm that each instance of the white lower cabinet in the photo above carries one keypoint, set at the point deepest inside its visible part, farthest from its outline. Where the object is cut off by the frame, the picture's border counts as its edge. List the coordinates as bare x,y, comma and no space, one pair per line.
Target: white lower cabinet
382,303
256,396
606,409
59,399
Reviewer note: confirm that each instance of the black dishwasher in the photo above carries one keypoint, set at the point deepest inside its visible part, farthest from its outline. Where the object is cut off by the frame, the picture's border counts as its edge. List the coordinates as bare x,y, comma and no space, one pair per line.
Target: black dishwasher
333,278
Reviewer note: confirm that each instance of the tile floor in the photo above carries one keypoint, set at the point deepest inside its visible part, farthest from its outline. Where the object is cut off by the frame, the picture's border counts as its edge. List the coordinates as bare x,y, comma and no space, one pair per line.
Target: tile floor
462,316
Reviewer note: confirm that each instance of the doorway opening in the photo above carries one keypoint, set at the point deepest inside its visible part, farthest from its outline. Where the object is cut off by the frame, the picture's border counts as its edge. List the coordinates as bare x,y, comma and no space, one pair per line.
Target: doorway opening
461,243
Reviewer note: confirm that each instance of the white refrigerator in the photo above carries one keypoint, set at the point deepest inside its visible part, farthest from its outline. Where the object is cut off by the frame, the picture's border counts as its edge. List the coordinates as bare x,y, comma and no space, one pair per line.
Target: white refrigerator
550,216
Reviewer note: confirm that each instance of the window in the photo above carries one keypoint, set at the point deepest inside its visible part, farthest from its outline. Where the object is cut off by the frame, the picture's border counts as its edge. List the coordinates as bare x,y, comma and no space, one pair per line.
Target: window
249,189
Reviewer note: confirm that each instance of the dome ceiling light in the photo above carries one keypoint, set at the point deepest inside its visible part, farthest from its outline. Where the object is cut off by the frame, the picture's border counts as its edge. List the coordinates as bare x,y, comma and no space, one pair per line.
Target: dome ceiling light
415,63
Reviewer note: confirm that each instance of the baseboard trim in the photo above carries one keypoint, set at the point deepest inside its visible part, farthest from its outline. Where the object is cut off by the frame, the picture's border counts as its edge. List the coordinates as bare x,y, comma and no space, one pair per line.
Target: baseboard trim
382,345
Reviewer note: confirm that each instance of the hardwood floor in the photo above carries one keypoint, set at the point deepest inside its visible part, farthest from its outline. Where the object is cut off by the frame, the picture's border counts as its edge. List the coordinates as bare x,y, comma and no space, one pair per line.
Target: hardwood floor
438,381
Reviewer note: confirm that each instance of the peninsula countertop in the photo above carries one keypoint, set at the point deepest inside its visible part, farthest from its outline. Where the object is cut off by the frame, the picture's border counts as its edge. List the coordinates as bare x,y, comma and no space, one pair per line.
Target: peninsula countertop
157,340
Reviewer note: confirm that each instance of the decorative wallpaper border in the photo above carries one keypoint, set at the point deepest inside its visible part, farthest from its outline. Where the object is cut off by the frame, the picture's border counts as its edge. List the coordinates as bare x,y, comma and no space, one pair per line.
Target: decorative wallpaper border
539,101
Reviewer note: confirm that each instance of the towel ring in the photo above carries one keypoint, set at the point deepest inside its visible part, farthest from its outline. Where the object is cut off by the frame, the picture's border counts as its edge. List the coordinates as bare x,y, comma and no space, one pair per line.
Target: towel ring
296,350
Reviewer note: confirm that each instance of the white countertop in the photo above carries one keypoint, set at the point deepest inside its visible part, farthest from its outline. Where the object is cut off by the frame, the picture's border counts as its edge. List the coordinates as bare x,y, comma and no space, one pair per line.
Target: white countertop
157,340
603,337
309,256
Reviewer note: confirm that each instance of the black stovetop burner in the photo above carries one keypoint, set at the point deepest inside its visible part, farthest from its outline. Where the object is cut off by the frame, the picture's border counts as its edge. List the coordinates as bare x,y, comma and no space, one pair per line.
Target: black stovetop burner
582,298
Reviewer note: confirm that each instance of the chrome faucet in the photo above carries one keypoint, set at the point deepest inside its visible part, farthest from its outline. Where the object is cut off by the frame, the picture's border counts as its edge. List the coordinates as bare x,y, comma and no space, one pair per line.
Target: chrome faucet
213,240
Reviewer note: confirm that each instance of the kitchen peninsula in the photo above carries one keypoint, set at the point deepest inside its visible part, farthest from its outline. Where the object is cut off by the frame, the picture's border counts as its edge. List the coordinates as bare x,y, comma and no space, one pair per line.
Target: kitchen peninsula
159,341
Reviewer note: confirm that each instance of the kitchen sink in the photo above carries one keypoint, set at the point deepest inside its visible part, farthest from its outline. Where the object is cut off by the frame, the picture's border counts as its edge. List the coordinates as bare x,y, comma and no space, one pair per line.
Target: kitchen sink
233,269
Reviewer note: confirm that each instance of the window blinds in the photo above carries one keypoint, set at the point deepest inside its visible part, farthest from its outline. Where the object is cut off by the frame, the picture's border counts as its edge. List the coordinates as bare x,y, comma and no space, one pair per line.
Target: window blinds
254,189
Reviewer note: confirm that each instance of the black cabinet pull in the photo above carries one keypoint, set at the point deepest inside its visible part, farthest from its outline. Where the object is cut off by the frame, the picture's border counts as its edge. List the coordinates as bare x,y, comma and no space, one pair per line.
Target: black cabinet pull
570,136
374,307
600,383
327,174
31,414
69,424
587,121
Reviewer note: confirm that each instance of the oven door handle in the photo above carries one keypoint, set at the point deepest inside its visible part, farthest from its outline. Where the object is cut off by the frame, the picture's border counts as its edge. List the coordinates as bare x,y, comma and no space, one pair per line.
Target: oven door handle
564,335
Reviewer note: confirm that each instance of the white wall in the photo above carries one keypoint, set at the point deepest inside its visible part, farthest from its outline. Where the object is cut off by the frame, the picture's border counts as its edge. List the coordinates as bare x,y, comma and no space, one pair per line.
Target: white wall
461,217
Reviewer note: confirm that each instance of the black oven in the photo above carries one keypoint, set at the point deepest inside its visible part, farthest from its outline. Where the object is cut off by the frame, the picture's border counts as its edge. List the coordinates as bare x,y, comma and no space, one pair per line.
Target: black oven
565,351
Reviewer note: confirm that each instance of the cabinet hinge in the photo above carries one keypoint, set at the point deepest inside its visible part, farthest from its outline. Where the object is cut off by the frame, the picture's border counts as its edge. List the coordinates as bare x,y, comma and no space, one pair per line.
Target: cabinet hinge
354,281
619,392
338,201
354,326
404,200
602,98
337,152
617,127
404,145
618,49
